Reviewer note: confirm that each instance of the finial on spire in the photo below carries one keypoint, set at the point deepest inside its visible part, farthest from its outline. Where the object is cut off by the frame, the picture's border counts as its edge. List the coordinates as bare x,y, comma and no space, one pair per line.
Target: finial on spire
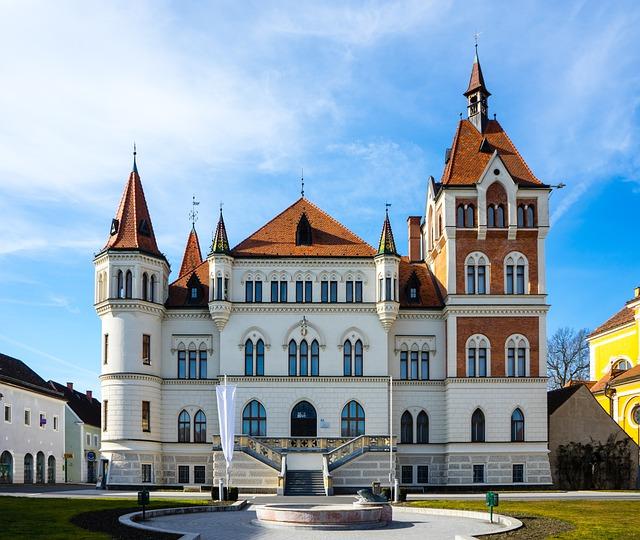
302,183
387,205
135,165
193,215
221,203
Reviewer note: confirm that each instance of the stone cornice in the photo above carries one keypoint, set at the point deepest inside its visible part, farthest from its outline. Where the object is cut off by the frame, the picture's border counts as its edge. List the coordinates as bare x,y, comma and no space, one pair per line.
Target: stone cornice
497,311
187,314
482,380
132,255
129,304
408,314
121,375
318,307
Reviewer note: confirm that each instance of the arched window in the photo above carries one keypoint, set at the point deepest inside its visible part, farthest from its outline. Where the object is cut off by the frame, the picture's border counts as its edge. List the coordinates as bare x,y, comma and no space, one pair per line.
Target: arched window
517,426
422,431
622,365
424,364
517,355
406,428
254,420
184,427
248,357
40,468
491,216
28,469
315,358
152,289
128,287
460,216
51,470
478,356
477,426
500,217
346,354
414,365
304,358
520,215
469,216
6,468
120,280
260,357
293,358
352,420
303,232
531,216
200,427
145,286
476,273
516,274
358,360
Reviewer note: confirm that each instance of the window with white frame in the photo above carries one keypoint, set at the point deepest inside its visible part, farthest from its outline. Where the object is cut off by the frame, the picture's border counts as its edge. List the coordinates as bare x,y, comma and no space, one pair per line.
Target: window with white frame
146,472
88,439
478,356
516,274
622,364
477,273
7,413
517,355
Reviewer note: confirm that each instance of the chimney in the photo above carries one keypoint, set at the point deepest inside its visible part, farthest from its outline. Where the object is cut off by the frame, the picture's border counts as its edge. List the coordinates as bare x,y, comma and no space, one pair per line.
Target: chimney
413,222
70,386
89,395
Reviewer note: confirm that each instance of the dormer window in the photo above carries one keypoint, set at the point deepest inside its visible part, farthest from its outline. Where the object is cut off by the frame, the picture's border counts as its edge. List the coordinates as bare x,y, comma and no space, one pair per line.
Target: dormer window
303,231
413,289
115,224
144,229
194,293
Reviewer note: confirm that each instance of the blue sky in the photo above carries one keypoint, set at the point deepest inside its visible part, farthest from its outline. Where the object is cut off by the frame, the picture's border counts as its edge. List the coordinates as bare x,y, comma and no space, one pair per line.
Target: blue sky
229,100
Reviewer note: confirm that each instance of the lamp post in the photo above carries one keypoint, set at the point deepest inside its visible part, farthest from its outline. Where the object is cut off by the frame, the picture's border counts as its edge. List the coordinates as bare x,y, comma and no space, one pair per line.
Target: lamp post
635,414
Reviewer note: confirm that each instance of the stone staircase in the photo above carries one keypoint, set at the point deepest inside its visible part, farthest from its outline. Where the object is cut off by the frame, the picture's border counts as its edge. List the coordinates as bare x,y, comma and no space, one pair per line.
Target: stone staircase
303,483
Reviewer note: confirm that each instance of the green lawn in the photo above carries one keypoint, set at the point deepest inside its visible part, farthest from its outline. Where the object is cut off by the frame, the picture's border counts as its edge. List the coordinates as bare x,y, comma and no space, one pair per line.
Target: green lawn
601,520
25,518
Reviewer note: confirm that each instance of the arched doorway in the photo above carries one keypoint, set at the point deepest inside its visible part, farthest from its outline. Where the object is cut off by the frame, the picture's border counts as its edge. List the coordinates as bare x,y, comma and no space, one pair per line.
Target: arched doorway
39,468
304,420
28,469
6,468
51,470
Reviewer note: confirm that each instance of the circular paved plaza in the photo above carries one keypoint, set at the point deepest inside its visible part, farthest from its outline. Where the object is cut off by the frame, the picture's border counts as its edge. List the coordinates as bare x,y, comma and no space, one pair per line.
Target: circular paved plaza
240,525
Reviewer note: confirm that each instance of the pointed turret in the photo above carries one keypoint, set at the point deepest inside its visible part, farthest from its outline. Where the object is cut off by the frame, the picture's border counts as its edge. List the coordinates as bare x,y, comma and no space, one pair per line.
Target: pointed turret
192,257
220,241
477,94
387,245
132,228
387,263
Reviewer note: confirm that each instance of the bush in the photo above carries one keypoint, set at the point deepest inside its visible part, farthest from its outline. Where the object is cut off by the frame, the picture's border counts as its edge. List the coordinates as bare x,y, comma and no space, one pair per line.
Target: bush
233,494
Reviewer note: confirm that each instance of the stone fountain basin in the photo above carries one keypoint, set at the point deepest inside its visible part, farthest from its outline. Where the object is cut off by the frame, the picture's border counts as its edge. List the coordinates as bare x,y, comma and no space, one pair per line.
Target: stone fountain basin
319,516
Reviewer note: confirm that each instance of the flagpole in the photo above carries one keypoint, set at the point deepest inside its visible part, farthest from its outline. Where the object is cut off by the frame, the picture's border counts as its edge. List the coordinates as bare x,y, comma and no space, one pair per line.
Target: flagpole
227,467
391,475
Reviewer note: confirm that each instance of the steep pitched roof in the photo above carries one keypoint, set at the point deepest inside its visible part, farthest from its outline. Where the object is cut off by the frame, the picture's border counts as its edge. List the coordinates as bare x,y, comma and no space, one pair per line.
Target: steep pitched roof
476,81
622,318
278,237
88,410
468,159
557,398
179,290
16,372
387,245
429,293
192,255
220,240
132,228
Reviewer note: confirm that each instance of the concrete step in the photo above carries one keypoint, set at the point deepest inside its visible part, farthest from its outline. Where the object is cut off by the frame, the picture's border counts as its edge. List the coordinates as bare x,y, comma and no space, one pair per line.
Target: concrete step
304,482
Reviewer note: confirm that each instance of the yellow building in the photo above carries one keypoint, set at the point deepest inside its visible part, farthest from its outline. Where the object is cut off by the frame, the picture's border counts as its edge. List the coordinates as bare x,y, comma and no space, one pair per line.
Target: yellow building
615,365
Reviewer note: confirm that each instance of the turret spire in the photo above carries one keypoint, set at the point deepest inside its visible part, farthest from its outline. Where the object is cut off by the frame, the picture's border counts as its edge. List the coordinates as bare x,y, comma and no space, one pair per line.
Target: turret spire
220,241
477,94
135,165
387,245
192,257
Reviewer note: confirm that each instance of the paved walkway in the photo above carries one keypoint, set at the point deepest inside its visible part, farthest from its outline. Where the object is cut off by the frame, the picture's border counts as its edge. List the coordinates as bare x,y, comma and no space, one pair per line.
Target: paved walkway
240,526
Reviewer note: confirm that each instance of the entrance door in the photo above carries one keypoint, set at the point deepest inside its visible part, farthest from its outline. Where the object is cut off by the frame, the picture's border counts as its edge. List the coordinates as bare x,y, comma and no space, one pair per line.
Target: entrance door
304,420
91,472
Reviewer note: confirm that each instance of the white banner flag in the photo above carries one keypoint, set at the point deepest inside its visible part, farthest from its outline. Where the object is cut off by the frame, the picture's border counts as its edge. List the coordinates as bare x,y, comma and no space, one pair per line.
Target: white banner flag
226,395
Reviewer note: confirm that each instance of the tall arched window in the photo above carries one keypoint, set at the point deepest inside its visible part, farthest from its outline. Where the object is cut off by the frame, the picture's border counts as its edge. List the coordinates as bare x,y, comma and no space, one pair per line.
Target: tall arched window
517,426
152,289
520,215
6,468
491,216
424,364
422,430
352,420
460,216
531,216
260,357
500,217
469,216
516,273
184,427
406,428
622,365
477,426
315,358
254,420
248,357
476,273
478,356
358,360
346,355
517,354
128,286
293,358
145,286
40,468
28,469
51,470
200,427
304,358
120,281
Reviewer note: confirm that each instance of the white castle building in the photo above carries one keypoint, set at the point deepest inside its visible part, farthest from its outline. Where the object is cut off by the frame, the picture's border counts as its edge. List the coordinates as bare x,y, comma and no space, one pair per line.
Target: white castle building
328,339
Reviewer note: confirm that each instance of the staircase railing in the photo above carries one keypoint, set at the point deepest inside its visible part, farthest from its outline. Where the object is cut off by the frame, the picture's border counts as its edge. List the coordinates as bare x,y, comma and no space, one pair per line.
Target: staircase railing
255,448
356,447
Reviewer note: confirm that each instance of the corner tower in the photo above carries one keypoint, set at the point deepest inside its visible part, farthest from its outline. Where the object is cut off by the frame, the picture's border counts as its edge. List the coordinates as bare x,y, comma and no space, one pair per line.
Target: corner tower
387,269
220,266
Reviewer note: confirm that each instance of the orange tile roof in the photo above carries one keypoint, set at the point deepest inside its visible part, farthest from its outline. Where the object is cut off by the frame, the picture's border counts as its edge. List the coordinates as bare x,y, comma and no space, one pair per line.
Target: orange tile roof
192,255
179,290
623,317
134,228
467,162
476,81
616,377
278,237
429,293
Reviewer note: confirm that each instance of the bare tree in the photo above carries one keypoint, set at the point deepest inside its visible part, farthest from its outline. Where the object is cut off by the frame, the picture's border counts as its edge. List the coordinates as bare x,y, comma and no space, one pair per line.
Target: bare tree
567,357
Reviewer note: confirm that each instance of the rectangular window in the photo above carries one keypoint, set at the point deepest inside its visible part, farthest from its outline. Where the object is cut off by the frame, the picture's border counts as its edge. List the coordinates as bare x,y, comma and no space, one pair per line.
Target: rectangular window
219,288
146,416
349,291
509,278
203,364
258,294
182,364
478,474
482,277
299,291
27,417
105,412
522,368
404,368
106,349
424,365
423,474
520,279
183,474
284,297
146,473
7,413
414,365
88,439
248,291
358,291
95,441
333,291
407,474
43,420
388,295
55,423
511,362
324,291
518,473
471,279
274,291
199,476
193,365
226,288
471,363
482,362
308,291
146,349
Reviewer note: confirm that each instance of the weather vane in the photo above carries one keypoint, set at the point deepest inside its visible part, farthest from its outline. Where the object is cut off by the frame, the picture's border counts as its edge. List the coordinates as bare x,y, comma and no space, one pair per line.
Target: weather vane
387,205
193,215
475,38
221,203
302,183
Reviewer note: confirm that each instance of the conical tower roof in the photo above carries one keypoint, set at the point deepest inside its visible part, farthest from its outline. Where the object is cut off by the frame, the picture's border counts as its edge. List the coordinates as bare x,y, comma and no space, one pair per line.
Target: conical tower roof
220,240
192,257
476,81
387,245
